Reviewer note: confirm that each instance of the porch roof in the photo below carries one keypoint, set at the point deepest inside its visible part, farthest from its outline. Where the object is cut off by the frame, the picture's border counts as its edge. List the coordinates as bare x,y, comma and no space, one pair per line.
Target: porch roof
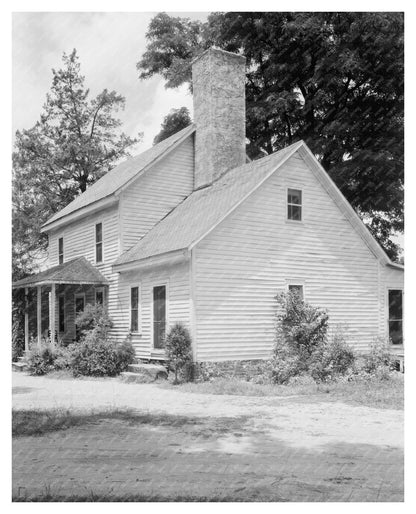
77,271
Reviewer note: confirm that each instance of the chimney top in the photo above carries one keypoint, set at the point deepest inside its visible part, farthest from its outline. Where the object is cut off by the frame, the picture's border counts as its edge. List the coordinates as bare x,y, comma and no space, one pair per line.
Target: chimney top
213,49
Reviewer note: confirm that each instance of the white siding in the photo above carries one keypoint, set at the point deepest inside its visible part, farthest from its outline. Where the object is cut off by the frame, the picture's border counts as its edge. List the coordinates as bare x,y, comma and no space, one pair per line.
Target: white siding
255,253
79,241
150,198
177,279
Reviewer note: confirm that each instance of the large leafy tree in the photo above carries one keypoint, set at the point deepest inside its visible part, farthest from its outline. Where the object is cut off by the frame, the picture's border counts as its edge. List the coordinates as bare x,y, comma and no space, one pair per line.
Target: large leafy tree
173,122
335,80
75,142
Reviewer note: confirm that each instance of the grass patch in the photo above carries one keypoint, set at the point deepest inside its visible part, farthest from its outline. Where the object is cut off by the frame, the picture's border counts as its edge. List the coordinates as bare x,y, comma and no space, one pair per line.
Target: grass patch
386,394
39,422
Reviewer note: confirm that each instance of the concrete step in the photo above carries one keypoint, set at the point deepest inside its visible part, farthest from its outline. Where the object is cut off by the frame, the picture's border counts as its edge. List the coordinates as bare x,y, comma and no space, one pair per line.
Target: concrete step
144,373
19,366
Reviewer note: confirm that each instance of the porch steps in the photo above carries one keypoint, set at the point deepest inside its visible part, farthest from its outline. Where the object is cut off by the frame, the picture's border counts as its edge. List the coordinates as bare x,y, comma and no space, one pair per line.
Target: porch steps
143,373
20,365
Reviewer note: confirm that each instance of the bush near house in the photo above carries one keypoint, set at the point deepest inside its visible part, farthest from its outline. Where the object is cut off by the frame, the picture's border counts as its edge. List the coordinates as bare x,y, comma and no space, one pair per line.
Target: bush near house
178,348
302,344
95,354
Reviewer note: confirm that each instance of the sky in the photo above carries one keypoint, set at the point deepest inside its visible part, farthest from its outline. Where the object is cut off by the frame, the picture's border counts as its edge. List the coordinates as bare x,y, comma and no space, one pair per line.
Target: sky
109,45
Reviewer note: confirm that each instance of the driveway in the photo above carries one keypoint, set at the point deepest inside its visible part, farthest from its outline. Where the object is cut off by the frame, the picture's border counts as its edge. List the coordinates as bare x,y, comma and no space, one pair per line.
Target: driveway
194,446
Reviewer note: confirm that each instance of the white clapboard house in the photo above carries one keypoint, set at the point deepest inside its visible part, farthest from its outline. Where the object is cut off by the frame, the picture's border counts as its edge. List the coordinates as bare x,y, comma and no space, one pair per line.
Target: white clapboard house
190,231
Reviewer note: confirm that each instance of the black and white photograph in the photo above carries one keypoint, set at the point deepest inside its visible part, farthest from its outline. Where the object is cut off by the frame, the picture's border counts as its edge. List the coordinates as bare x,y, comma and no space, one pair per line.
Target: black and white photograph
207,255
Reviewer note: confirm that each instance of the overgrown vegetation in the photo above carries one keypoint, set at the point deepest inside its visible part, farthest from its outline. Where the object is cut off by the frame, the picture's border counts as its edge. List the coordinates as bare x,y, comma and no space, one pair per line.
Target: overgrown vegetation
302,343
95,354
179,352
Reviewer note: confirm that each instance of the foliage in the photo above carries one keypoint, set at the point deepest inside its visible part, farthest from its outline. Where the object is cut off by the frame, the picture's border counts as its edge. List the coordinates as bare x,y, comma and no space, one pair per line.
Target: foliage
378,359
94,318
94,356
175,121
75,142
47,358
333,79
178,350
302,346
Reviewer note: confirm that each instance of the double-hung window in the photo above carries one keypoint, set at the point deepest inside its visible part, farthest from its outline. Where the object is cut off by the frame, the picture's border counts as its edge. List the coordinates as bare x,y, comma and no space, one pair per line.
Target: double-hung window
134,309
99,242
294,204
61,250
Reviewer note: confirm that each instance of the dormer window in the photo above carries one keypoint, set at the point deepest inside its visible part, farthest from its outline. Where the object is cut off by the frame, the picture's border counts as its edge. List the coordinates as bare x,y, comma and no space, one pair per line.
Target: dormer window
294,204
99,242
61,250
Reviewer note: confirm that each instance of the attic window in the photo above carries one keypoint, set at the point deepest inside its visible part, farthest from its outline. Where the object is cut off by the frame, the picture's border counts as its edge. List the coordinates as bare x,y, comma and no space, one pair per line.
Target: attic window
294,204
61,250
99,242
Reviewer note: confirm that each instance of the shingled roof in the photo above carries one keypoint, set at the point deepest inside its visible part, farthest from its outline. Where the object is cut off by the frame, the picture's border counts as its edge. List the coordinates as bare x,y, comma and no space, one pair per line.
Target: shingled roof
76,271
205,208
121,174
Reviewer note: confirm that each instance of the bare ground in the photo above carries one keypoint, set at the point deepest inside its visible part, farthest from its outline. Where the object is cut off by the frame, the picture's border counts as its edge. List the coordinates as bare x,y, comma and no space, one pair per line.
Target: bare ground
204,447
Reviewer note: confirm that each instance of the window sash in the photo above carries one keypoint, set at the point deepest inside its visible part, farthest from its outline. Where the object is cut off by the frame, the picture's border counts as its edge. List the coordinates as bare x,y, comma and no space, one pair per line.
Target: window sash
99,242
134,309
61,311
395,320
61,250
294,204
296,289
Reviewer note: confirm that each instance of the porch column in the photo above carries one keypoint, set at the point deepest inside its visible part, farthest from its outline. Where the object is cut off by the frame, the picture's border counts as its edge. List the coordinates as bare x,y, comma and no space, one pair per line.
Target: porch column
39,314
52,314
26,320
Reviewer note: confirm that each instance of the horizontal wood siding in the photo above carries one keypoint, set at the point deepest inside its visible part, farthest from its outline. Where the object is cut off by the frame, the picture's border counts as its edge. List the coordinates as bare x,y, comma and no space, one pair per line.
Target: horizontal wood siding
256,252
177,279
79,240
150,198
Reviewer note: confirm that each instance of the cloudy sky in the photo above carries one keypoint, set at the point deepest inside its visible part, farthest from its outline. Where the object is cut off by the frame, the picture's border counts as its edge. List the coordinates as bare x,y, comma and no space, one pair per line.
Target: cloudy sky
109,46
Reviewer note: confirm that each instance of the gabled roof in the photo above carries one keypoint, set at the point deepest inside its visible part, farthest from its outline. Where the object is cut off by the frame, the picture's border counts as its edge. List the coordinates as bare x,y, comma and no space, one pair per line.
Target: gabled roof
205,208
76,271
119,176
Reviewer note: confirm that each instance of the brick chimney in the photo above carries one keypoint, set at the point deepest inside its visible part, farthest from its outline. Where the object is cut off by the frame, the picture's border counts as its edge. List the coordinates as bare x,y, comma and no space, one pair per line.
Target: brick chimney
218,79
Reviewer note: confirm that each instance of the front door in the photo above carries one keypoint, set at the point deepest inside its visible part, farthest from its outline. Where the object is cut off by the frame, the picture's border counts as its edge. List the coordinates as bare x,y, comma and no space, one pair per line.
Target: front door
159,316
396,316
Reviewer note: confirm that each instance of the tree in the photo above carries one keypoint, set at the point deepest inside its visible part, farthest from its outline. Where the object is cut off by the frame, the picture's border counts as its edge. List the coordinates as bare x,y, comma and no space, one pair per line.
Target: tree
175,121
75,142
334,80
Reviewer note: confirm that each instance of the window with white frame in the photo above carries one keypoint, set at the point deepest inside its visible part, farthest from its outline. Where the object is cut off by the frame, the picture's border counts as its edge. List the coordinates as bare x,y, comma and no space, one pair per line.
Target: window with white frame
61,250
294,204
99,242
134,309
395,304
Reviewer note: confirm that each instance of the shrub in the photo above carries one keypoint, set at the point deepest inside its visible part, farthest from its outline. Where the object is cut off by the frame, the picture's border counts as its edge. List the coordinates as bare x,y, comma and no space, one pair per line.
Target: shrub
331,359
47,358
179,351
300,325
302,347
94,317
379,356
94,356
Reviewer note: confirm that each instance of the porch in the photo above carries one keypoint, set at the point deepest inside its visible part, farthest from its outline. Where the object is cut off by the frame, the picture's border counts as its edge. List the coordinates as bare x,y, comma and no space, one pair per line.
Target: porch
54,297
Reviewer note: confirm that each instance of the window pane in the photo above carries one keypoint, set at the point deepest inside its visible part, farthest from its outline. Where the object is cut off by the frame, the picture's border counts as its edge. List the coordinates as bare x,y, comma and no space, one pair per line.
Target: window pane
61,314
159,316
134,321
395,304
99,297
98,232
396,332
61,250
294,196
134,297
296,289
99,252
294,212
